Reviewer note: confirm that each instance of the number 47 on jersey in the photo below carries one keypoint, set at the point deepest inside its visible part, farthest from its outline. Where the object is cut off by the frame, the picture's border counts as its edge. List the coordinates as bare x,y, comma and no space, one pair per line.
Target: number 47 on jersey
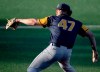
64,24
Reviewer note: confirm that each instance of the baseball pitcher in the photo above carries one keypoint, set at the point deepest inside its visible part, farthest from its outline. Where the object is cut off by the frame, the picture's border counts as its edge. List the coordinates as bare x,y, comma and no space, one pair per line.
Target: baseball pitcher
64,30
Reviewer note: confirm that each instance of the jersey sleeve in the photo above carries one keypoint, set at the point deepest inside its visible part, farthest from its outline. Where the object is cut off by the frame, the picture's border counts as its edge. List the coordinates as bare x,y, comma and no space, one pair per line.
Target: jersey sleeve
83,30
43,21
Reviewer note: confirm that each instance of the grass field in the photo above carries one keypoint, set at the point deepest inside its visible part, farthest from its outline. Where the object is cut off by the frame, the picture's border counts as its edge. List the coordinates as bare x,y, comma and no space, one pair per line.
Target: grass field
18,48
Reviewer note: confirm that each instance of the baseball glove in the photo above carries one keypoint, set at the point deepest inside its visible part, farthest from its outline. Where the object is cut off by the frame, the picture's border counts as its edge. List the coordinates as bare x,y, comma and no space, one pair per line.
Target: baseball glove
12,23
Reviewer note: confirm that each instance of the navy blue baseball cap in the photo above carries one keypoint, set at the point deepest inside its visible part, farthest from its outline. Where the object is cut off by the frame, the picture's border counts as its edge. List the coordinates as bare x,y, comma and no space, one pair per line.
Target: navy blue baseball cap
63,7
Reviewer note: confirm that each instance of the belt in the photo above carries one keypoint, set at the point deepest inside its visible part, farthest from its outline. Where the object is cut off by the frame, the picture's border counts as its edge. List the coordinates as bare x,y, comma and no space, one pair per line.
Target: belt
54,44
58,45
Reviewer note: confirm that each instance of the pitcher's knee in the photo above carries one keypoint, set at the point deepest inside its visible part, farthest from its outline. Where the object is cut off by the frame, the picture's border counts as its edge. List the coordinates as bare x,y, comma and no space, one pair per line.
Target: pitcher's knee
31,69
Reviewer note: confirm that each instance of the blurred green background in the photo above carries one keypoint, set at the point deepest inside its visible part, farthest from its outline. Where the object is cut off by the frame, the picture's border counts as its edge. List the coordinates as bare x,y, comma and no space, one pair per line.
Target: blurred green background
18,48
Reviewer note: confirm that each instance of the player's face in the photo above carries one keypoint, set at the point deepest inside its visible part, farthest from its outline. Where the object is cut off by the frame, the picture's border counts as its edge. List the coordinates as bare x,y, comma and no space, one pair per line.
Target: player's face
58,12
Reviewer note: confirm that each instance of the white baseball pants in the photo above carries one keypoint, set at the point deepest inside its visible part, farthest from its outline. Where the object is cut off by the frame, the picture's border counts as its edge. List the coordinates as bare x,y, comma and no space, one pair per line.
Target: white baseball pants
50,55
